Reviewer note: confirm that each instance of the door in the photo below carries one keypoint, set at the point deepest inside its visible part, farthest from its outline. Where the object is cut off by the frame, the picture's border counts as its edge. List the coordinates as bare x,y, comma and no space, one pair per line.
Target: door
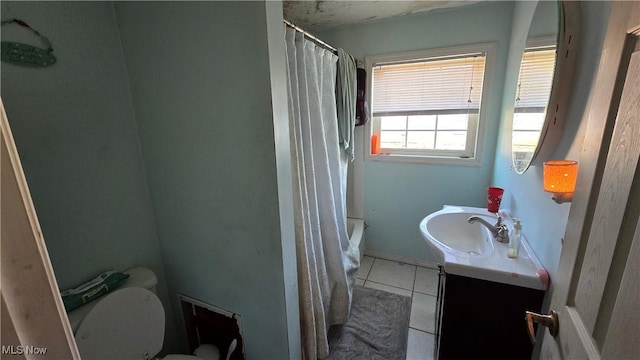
597,293
34,323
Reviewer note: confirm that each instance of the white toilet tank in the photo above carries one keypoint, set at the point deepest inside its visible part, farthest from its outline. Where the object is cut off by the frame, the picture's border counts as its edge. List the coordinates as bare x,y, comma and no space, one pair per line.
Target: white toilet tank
127,323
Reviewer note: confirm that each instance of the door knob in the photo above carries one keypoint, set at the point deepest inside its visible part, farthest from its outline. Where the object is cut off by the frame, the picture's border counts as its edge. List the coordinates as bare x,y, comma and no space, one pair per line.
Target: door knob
550,321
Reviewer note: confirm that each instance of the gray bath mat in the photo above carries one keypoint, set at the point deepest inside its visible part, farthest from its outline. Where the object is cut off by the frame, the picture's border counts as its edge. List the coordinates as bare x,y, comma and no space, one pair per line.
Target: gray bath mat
377,328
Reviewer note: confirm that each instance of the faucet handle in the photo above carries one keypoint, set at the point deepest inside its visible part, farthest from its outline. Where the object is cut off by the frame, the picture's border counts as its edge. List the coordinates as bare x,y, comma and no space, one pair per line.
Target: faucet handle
502,234
499,223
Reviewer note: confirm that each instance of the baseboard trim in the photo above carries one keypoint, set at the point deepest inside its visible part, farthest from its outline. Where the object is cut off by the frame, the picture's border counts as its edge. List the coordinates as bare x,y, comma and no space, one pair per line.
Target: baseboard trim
402,259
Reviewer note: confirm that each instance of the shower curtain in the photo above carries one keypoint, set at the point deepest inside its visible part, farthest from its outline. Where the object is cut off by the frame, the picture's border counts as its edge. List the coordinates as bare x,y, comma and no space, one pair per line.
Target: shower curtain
327,262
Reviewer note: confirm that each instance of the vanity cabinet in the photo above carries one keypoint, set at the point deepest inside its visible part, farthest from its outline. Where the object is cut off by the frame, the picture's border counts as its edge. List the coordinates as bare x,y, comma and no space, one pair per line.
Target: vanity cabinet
479,319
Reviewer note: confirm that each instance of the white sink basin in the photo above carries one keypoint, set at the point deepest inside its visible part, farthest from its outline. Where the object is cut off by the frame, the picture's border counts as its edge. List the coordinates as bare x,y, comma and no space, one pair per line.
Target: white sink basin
470,250
451,231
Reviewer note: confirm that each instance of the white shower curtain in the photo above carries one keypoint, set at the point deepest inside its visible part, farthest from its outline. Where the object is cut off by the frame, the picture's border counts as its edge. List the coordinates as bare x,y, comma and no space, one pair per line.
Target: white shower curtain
326,269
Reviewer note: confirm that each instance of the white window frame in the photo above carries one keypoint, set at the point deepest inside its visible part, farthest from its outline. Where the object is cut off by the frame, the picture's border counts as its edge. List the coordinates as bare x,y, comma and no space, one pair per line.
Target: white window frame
442,157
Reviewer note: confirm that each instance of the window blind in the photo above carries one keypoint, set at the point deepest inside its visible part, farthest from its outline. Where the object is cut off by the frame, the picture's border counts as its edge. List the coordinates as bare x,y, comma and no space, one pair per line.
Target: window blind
428,85
535,79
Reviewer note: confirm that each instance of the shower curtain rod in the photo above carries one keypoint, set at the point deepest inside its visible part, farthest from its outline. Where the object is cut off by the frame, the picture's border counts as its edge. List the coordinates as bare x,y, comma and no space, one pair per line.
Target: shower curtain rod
311,37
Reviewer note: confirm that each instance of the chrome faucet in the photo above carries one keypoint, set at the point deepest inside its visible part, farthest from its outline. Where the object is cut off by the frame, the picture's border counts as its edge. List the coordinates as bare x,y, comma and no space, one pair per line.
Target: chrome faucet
499,231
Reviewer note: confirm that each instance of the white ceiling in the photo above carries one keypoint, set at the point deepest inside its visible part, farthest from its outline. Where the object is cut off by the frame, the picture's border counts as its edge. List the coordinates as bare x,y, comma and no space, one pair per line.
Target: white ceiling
319,14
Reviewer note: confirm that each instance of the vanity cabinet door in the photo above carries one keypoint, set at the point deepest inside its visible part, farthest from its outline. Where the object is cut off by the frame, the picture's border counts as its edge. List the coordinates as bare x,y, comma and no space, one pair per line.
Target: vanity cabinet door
485,320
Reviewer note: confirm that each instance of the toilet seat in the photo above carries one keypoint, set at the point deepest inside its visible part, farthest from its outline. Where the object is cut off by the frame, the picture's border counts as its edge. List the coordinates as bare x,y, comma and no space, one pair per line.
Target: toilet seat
111,330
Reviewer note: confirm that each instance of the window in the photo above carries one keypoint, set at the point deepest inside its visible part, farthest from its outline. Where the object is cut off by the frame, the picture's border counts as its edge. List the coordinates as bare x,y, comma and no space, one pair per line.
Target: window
532,96
427,105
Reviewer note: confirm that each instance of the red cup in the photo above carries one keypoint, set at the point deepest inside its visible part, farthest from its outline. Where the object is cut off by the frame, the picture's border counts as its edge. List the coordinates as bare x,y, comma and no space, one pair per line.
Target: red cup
494,197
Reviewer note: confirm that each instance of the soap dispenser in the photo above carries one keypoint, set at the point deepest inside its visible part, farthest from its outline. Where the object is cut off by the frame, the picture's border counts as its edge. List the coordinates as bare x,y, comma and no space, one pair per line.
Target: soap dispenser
514,241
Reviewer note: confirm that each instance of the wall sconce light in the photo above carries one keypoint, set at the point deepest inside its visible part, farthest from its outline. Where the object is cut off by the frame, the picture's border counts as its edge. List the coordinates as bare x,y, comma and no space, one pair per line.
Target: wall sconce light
560,179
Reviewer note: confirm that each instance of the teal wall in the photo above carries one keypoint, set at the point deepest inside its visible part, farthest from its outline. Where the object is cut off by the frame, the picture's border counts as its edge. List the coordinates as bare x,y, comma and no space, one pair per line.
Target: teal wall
77,138
543,23
398,195
281,135
543,220
202,92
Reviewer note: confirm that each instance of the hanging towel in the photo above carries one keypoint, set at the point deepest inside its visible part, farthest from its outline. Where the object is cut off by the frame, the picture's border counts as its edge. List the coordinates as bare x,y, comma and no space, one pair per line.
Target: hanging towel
362,109
346,91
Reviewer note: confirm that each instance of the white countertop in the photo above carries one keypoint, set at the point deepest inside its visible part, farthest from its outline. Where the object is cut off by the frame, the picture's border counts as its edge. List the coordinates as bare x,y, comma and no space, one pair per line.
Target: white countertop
525,270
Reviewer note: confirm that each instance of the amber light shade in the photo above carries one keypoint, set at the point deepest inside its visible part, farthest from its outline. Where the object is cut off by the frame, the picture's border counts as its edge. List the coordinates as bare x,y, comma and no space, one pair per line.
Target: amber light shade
560,178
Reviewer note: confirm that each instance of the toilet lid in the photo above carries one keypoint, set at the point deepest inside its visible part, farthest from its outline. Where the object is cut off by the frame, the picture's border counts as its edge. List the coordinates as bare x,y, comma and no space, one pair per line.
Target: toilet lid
125,324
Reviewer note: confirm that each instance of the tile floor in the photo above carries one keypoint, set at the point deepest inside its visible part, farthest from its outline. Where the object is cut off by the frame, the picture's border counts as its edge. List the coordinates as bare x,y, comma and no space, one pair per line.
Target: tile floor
418,282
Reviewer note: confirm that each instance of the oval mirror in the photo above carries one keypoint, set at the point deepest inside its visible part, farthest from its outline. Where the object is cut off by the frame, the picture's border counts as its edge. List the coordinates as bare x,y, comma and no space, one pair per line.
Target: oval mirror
543,82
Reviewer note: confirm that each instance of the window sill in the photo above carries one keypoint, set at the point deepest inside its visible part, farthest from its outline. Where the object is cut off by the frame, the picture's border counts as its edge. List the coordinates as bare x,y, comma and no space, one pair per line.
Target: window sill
422,159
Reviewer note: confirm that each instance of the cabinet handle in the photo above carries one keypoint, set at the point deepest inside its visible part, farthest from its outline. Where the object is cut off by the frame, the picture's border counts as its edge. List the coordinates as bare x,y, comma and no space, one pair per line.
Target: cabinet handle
550,321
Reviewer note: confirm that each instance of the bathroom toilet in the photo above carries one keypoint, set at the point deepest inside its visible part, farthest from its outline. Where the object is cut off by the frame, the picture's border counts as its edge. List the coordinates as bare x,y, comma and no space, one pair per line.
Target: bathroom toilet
127,323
